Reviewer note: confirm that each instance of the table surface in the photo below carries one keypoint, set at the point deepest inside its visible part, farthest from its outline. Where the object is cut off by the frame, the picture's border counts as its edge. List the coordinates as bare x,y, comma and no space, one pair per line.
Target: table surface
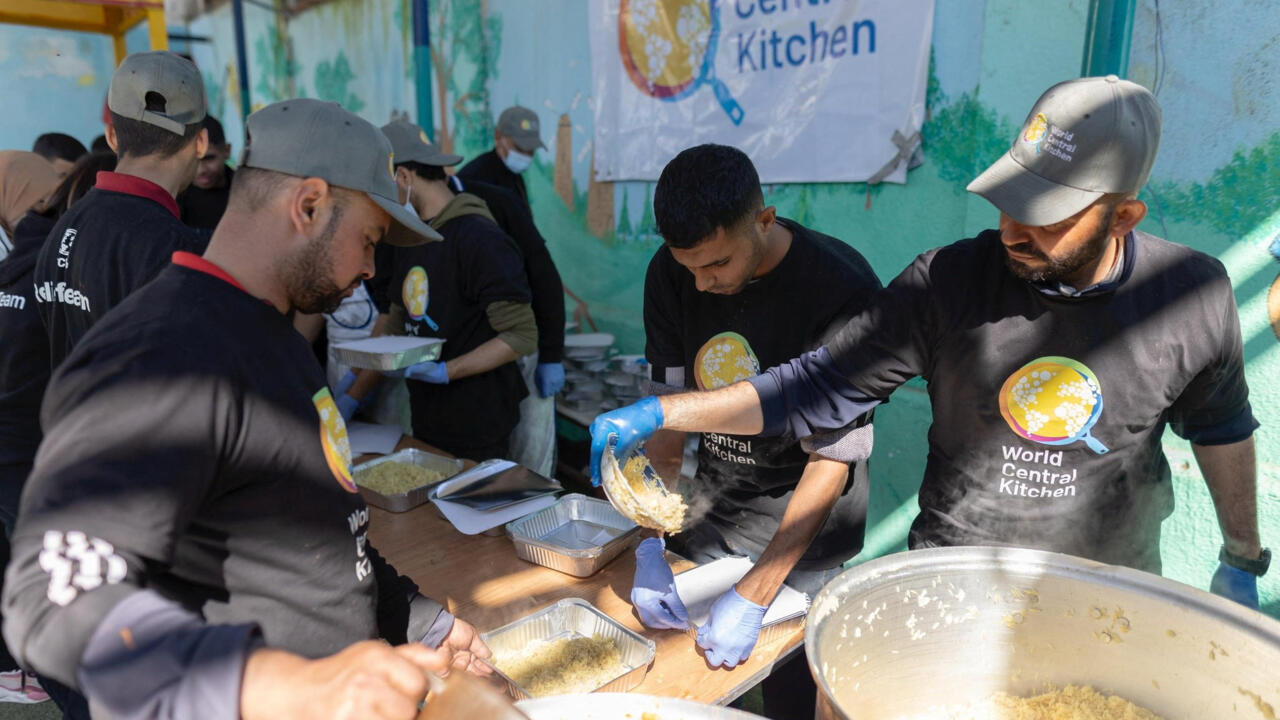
482,581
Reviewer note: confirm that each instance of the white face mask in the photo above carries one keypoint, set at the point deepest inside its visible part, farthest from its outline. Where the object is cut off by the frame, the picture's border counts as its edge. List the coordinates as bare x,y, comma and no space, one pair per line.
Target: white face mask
517,162
408,205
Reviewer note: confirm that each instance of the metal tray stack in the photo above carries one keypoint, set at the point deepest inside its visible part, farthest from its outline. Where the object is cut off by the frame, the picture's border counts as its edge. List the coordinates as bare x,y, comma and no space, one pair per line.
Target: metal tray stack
578,535
574,617
388,352
401,502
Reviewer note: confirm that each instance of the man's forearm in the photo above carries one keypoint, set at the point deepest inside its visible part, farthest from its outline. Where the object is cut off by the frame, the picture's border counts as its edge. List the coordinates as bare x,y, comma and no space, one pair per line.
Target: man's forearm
810,505
734,410
492,354
1230,471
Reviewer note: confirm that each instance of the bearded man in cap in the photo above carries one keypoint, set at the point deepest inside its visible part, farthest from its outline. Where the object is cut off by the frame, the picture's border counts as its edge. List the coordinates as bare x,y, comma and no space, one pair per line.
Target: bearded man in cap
191,542
1021,333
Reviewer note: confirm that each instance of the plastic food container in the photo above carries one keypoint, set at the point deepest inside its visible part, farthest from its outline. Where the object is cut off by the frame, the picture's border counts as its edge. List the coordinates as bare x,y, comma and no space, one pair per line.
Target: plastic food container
409,499
569,618
389,352
577,536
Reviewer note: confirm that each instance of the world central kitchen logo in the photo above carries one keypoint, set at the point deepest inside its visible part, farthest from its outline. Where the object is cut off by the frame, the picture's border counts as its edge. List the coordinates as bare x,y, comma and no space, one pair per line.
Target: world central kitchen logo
668,47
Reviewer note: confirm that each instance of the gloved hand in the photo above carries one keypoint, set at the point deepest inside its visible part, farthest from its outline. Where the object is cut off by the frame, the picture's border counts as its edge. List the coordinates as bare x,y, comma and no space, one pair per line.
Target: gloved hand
549,377
653,592
1235,584
732,630
629,427
436,373
347,405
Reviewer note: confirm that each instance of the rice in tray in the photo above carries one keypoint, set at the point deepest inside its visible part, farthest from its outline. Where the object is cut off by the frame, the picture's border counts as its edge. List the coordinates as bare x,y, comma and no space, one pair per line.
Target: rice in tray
560,667
393,477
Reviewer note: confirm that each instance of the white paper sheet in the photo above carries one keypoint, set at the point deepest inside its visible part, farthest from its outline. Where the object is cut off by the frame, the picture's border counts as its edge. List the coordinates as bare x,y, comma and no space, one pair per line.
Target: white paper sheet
370,438
700,587
469,521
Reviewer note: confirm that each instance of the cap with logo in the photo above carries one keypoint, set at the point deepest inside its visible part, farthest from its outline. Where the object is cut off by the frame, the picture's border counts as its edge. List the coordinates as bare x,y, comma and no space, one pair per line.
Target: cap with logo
158,88
1084,138
521,125
410,144
312,138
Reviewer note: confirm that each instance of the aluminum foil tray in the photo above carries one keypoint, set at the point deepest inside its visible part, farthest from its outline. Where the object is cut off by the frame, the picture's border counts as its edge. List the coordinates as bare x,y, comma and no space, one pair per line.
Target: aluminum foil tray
574,617
411,498
389,352
577,536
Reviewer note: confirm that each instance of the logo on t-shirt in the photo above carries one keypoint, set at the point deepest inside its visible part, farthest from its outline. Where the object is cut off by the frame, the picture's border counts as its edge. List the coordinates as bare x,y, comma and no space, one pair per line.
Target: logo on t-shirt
414,292
333,438
1053,401
724,360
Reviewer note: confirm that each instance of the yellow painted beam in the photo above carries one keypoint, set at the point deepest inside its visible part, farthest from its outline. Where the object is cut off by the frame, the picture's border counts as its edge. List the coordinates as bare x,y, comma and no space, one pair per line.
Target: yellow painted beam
157,30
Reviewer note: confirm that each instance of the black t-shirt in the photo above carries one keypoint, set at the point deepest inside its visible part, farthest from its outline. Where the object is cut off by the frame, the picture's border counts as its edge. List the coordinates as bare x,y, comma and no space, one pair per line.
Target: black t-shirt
118,237
192,435
444,288
720,339
513,216
489,168
201,208
24,352
1022,450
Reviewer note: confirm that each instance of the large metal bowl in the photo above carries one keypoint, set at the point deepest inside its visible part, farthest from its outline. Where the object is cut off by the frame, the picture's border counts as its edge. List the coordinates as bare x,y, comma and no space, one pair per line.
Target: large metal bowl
914,632
625,706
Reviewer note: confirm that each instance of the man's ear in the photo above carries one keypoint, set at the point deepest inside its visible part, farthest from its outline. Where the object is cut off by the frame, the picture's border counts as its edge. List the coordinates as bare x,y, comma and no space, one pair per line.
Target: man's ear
304,205
1128,214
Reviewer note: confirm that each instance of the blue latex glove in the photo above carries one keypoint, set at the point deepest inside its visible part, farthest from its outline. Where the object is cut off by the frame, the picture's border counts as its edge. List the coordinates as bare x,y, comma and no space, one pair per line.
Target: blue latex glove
344,383
436,373
347,406
549,377
1235,584
653,592
732,630
627,427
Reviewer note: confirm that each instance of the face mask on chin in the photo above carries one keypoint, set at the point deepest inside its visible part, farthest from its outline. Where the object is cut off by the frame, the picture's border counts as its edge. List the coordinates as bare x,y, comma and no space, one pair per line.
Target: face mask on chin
516,161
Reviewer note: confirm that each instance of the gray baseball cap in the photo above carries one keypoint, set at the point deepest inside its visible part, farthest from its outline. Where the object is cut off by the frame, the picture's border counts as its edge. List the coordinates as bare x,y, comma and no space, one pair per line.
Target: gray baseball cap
1083,139
410,144
521,125
312,138
172,84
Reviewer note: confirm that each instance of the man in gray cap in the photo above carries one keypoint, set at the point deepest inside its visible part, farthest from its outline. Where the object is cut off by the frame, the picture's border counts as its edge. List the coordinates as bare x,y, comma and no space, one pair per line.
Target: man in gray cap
122,233
191,543
1021,333
515,140
470,290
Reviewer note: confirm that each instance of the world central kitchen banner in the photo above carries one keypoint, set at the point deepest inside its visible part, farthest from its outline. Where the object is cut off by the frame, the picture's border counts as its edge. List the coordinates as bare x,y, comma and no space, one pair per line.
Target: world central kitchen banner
812,90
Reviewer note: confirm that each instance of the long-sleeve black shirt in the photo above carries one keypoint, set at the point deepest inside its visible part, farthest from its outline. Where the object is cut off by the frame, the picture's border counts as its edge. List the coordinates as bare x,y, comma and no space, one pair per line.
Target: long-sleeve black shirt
194,497
1022,450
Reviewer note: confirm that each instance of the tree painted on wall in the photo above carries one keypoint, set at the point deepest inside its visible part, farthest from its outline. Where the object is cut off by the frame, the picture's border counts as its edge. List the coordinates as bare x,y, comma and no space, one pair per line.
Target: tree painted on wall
624,229
276,69
1236,199
648,228
216,94
463,34
331,80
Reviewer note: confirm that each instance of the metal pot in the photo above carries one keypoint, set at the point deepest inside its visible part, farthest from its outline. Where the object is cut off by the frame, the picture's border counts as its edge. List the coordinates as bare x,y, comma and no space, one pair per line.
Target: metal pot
625,706
916,632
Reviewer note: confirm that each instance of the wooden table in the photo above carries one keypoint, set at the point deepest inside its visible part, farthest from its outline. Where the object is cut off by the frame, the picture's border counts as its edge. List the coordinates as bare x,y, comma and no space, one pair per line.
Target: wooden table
482,581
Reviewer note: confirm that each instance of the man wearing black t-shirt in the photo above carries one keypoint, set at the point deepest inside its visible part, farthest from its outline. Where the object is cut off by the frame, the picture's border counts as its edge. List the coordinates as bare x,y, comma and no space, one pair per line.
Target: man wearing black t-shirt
1021,333
713,295
191,543
123,232
471,290
203,203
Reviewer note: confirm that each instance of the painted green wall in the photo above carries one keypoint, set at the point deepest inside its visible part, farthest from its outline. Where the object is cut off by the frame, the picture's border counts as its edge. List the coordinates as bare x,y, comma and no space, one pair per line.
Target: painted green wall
1215,186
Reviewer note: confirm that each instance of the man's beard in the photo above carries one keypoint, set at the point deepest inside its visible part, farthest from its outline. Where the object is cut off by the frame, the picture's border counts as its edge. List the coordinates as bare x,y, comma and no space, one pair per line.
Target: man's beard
307,273
1057,270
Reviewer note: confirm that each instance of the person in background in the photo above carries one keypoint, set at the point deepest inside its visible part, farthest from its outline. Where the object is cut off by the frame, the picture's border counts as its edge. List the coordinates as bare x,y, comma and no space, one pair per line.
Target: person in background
100,145
61,150
25,179
191,543
24,374
533,443
124,231
202,204
470,290
1021,333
